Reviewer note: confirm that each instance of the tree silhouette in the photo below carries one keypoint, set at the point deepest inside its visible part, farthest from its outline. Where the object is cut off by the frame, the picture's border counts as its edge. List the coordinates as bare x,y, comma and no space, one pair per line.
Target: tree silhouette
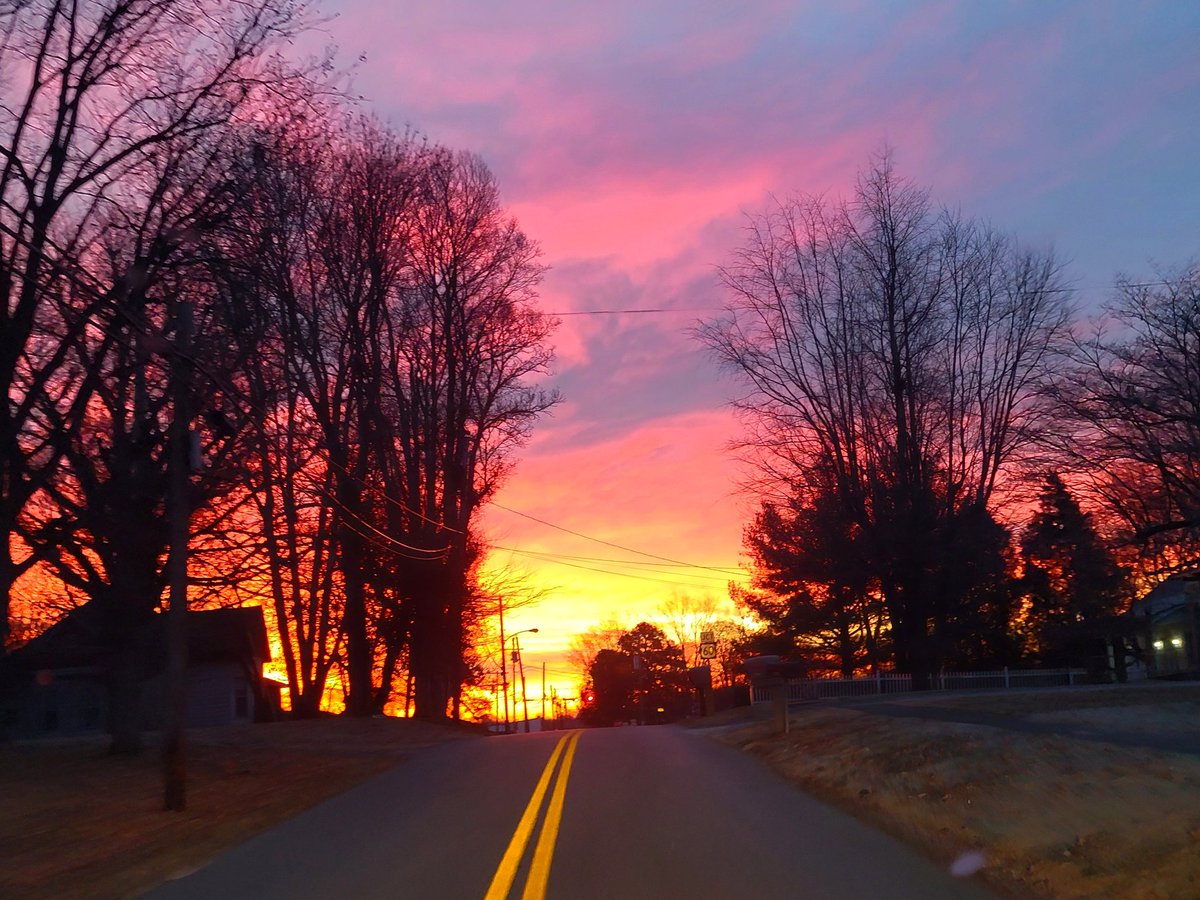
893,356
612,686
660,674
808,553
1070,577
1129,409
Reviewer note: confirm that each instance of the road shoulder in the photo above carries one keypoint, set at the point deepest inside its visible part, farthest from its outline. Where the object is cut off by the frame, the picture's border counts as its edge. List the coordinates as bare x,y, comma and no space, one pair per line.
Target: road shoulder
1046,814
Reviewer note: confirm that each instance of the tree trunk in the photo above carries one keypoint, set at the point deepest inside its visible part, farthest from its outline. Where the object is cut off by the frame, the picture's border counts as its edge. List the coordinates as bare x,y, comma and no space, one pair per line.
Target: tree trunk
359,700
126,644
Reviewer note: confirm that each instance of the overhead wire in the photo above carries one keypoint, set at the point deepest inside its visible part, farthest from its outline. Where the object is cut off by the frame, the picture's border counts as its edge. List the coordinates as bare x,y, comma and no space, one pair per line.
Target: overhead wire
731,570
597,540
626,312
669,310
559,562
563,558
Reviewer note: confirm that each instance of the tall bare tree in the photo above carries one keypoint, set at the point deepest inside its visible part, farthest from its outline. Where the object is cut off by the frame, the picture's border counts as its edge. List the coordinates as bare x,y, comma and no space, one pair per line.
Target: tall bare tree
400,297
467,343
892,351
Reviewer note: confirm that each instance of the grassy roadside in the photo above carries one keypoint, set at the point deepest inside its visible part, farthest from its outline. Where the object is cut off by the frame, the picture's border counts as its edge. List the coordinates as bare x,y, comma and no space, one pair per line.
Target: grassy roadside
1052,816
76,823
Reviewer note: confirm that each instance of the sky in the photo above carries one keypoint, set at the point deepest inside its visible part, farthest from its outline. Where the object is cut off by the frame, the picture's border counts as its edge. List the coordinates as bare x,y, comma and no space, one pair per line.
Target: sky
632,140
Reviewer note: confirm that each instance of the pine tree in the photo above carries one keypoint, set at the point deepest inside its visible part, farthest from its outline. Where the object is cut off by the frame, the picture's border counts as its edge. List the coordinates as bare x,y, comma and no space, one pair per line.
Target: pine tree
1071,579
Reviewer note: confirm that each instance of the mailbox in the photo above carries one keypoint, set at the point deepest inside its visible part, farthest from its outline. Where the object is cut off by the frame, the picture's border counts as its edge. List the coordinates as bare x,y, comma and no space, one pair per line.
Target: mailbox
771,673
767,670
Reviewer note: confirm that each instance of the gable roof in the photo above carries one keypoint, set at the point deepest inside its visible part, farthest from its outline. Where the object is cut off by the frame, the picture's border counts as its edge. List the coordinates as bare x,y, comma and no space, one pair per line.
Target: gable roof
223,634
214,635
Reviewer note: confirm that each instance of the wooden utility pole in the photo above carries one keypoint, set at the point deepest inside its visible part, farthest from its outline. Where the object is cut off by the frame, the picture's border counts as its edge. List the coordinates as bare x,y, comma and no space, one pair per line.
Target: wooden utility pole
179,515
543,695
521,662
503,664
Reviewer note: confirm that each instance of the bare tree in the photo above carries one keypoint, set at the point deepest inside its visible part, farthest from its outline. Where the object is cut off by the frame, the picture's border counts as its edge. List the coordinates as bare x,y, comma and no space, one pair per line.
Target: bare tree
685,617
96,100
465,344
586,644
896,351
1130,413
399,297
327,223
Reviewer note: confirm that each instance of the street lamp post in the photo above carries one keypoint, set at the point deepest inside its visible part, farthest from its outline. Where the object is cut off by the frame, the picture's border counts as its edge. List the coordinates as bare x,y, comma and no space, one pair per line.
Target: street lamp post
516,658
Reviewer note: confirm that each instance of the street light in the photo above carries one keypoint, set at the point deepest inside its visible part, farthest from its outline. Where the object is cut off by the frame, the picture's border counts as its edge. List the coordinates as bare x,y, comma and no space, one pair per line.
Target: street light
516,657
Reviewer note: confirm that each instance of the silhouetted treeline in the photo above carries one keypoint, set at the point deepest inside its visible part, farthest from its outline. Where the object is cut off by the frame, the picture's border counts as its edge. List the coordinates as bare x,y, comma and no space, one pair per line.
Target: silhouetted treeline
908,372
643,678
359,366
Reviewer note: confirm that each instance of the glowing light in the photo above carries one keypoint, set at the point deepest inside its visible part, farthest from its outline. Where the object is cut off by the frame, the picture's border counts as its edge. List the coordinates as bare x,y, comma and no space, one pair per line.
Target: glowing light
1158,645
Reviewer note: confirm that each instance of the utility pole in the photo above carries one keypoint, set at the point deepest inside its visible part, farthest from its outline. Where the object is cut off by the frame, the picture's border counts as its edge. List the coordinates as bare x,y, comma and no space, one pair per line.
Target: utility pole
521,662
179,514
503,667
543,694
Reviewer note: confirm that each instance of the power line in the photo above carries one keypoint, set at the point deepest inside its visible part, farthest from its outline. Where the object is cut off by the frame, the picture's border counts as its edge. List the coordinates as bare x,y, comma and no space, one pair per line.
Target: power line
731,570
562,558
588,537
669,310
638,312
559,562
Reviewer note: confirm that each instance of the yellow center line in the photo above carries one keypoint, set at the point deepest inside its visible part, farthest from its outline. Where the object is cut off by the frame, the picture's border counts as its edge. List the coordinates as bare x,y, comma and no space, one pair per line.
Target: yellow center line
507,870
539,870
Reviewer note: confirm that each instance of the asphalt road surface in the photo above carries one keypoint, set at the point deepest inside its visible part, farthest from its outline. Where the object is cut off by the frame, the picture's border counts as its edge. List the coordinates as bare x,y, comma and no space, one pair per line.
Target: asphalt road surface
606,813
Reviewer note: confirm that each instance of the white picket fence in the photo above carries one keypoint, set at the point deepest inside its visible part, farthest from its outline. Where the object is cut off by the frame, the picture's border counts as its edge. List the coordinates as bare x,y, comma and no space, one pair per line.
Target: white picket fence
894,683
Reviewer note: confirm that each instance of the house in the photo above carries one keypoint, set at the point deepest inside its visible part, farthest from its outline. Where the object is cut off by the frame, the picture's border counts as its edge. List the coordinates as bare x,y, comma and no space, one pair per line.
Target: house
55,684
1168,620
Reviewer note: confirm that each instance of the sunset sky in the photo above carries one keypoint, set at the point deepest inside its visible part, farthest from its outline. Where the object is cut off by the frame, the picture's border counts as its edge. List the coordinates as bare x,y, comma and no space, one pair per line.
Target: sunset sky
631,139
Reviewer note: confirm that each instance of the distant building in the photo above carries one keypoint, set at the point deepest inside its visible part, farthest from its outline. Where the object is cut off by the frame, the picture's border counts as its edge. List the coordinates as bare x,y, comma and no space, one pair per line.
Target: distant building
54,685
1168,621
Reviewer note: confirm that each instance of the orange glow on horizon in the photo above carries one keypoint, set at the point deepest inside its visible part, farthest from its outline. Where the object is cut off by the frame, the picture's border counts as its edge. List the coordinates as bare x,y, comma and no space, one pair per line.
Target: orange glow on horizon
666,488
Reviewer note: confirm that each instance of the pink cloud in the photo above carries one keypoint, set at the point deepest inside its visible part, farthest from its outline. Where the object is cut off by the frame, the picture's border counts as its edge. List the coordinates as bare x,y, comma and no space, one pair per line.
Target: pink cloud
633,222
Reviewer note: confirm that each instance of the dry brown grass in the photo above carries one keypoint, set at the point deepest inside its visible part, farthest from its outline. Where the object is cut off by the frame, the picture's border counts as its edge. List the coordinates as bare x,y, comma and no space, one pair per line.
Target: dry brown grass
1053,816
1144,695
76,823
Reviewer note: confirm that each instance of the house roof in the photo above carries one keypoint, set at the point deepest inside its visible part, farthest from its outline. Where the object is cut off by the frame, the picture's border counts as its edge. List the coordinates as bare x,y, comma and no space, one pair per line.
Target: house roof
221,634
214,635
1168,595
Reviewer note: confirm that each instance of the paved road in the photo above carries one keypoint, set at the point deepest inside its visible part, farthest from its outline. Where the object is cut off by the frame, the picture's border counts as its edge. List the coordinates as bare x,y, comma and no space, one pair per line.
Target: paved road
621,813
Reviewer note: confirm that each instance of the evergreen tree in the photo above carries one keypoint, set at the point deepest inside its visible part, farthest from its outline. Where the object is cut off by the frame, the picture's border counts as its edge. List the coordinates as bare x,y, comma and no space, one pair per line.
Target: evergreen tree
660,673
1070,580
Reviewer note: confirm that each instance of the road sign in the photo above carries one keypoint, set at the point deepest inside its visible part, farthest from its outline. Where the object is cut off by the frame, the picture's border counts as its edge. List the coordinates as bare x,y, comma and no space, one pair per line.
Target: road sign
707,637
708,650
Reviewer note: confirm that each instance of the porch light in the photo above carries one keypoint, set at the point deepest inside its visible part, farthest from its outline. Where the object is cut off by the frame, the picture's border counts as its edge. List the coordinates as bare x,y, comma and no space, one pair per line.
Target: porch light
1158,645
1176,642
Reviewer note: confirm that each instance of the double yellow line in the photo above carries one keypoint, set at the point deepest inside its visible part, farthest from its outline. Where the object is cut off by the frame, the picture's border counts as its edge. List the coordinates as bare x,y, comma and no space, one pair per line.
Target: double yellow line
539,869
